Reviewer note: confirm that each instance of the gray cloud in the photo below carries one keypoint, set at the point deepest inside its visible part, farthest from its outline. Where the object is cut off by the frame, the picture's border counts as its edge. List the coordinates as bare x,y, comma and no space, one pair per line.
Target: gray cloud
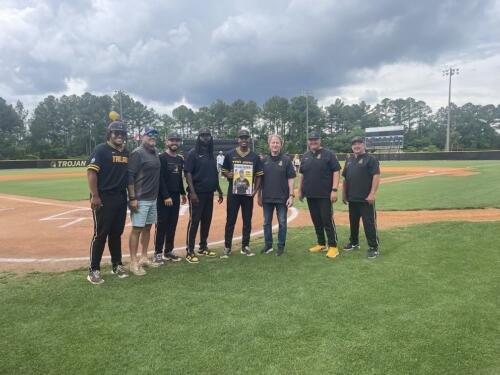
163,51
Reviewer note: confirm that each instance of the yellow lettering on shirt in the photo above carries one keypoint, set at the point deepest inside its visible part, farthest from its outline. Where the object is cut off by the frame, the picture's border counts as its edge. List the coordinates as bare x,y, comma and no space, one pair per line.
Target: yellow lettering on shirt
120,159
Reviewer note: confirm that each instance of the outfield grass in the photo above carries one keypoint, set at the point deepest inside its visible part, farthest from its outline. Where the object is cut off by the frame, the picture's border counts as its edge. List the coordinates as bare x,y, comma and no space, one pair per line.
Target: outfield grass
428,305
436,192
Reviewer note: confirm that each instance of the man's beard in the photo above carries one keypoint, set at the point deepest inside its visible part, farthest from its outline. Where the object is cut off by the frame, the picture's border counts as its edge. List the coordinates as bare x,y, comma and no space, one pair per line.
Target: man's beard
173,148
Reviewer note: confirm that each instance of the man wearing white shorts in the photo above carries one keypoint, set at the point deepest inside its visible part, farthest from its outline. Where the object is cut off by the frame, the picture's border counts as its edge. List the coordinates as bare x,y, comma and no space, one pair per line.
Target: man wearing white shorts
143,186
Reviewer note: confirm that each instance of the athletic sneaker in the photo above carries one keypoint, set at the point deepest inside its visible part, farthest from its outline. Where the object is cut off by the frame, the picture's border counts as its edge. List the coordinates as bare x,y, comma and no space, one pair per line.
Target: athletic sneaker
280,251
317,248
333,252
267,250
158,259
191,258
350,246
207,252
226,253
137,269
373,253
144,261
119,271
94,277
246,251
172,257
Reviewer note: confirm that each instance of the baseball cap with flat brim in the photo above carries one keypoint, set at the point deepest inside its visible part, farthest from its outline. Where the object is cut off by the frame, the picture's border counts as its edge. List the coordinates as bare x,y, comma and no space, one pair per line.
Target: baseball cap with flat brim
174,136
243,133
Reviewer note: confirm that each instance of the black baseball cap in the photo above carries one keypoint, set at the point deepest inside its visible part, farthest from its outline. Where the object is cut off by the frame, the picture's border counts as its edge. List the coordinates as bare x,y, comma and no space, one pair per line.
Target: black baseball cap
243,133
357,139
117,126
174,135
314,135
204,131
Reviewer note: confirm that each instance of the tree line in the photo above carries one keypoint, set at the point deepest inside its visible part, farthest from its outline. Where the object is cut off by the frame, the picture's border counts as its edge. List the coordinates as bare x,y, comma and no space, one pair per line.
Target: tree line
71,126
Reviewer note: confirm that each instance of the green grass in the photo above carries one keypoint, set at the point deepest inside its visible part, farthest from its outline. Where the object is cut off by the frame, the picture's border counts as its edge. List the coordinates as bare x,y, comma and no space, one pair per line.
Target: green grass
11,172
436,192
428,305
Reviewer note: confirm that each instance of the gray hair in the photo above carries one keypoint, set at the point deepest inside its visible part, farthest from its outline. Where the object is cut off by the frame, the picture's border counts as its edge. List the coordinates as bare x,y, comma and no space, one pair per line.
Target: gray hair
270,138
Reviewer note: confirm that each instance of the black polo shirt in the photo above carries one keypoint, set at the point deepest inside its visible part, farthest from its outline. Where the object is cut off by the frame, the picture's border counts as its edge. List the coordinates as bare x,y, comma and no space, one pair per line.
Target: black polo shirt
203,169
234,158
171,175
277,171
110,164
317,169
358,175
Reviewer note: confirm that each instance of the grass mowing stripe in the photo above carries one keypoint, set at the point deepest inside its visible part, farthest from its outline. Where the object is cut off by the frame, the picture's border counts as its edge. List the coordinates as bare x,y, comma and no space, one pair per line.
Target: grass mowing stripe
429,304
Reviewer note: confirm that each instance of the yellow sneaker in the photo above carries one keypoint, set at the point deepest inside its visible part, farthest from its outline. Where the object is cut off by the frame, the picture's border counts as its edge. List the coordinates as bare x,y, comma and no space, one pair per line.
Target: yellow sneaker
317,248
333,252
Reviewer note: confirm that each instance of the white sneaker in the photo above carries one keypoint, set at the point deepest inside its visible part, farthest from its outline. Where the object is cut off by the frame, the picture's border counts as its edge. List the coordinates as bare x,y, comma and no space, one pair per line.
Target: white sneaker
137,269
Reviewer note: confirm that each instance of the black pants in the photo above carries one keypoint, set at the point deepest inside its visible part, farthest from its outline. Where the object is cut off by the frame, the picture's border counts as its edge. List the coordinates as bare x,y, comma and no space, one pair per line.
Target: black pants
321,211
368,214
200,214
109,222
234,202
168,216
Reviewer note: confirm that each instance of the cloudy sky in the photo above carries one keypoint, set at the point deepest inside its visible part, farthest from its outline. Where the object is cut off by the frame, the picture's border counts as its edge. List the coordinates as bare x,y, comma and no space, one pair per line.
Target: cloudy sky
168,52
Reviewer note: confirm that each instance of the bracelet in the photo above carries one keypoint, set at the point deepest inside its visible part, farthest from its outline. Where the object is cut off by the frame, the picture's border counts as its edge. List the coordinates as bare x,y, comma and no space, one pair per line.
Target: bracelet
132,198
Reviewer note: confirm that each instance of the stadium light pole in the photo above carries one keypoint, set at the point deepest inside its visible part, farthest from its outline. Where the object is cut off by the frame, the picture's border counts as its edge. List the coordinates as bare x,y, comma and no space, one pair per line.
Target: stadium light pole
449,72
306,93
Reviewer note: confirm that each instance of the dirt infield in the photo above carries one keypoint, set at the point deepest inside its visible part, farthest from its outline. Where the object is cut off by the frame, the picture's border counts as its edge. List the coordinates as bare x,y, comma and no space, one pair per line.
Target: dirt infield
48,235
406,171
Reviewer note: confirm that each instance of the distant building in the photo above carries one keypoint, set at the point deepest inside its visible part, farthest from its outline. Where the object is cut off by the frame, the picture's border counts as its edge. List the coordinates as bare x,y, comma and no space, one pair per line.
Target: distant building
385,138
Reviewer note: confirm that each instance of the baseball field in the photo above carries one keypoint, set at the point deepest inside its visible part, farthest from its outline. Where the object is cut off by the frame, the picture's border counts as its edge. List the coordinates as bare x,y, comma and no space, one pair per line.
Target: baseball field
428,305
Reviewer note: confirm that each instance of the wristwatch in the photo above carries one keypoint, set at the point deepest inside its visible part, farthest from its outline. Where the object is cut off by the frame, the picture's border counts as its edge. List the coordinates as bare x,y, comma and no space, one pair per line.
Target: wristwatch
335,190
292,195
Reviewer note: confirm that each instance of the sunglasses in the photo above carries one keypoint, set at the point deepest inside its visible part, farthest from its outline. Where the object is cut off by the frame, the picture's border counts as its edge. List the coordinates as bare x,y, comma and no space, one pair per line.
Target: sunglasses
119,133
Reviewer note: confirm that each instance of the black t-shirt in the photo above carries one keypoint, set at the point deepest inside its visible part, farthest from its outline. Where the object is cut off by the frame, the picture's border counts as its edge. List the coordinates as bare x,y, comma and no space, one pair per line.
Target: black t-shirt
277,171
358,175
203,169
317,169
234,161
171,175
110,164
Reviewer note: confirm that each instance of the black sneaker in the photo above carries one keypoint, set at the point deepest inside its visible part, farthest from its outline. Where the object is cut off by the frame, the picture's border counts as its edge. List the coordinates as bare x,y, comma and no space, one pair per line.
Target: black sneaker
350,246
226,253
172,257
267,250
158,259
119,271
280,251
247,251
94,277
373,253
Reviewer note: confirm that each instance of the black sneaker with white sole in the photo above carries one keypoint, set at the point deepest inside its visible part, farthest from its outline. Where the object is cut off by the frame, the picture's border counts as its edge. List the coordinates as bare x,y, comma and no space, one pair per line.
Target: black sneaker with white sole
373,253
226,253
267,250
94,277
119,271
158,259
172,257
245,250
350,246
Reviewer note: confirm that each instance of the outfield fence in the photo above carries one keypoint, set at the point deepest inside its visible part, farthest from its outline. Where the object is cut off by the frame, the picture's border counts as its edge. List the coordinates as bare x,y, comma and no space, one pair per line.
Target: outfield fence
455,155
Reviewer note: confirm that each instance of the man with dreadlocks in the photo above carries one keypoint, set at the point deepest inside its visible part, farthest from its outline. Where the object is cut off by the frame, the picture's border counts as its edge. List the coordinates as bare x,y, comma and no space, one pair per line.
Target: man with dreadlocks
203,180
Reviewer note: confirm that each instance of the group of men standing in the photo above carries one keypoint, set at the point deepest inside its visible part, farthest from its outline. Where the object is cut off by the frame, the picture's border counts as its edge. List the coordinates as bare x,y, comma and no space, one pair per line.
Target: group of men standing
152,186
